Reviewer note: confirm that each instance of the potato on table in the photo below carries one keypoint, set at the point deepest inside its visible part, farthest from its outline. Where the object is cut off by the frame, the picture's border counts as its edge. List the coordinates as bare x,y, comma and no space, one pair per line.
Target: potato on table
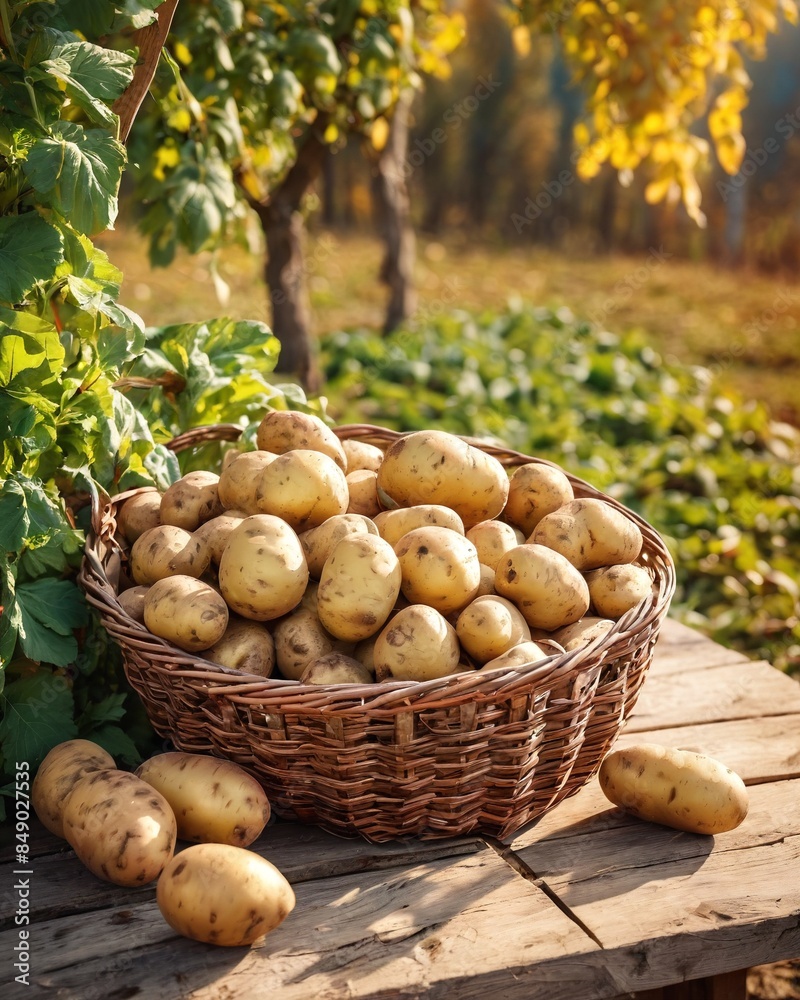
58,774
120,827
214,800
676,788
223,895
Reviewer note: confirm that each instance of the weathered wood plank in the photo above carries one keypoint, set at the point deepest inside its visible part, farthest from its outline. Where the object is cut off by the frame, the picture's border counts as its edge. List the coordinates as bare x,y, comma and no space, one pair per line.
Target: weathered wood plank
662,923
439,929
729,691
680,648
62,885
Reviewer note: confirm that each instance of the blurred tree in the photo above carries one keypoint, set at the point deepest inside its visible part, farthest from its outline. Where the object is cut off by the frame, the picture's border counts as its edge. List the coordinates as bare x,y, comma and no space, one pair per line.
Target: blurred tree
265,91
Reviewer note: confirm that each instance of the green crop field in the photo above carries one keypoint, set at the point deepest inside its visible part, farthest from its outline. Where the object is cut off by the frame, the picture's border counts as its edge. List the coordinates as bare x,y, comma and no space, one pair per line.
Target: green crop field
744,326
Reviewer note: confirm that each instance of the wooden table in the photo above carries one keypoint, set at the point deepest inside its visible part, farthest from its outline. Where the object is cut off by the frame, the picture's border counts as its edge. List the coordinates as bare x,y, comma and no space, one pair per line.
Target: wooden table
586,903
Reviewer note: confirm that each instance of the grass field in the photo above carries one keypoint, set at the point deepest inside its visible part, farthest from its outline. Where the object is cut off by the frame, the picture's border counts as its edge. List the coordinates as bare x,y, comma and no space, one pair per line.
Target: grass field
745,326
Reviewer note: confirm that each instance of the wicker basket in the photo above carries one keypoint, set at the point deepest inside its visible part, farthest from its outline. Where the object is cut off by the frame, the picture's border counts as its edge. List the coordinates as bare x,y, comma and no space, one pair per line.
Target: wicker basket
481,751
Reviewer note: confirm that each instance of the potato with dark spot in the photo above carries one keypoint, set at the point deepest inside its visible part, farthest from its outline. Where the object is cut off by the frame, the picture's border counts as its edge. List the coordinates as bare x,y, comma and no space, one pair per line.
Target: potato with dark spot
358,587
263,571
591,533
676,788
439,567
393,524
190,501
215,533
544,585
418,644
214,800
58,774
492,539
319,542
223,895
436,467
238,481
168,551
246,646
302,487
132,602
189,613
361,455
287,430
336,668
120,827
301,637
616,589
489,626
138,513
534,490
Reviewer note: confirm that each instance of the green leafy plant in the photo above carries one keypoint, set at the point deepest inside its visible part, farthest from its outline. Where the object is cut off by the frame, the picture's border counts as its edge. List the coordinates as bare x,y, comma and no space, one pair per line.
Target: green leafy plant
81,379
714,474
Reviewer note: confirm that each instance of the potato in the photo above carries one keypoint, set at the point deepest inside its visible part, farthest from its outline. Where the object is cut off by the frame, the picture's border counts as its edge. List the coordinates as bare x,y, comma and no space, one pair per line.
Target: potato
492,539
364,652
361,455
215,532
393,524
358,587
194,498
138,513
534,490
122,829
238,481
186,612
299,638
304,488
677,788
362,488
591,533
214,800
132,602
59,772
582,632
245,645
544,585
519,656
263,571
439,567
223,895
167,550
436,467
616,589
489,626
287,430
336,668
418,644
319,542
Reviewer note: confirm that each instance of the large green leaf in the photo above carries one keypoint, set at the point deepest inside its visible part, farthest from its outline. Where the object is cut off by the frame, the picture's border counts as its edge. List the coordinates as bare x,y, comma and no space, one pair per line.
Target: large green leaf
31,354
30,251
37,716
50,610
91,75
79,170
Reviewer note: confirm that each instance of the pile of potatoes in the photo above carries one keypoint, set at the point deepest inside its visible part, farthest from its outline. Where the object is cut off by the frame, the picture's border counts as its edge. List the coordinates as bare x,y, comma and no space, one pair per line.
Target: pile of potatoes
124,827
328,561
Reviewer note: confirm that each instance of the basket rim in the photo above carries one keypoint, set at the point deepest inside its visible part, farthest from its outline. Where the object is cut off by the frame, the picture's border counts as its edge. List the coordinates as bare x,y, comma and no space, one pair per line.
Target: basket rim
389,697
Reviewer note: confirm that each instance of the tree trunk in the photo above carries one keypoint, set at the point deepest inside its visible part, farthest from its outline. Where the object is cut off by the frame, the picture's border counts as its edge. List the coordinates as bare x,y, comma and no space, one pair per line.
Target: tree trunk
394,214
284,270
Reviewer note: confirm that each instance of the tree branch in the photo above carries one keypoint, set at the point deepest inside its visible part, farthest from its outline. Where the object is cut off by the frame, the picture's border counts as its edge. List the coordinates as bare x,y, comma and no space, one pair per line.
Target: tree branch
150,41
